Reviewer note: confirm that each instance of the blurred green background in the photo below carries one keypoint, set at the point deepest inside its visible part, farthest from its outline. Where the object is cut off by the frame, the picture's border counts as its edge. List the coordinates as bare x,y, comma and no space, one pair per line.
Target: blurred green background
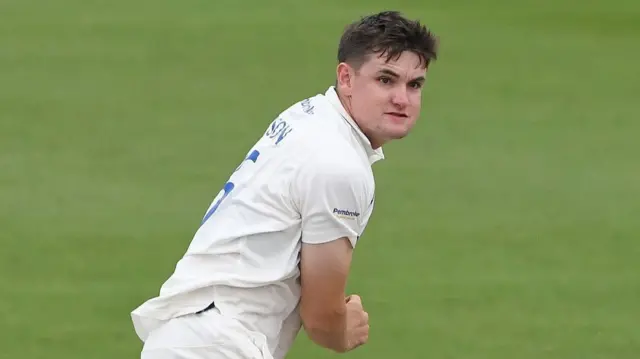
506,226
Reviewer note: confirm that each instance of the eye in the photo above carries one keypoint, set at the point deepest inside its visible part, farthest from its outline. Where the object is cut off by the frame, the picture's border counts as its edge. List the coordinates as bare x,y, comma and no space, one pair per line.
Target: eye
384,79
416,85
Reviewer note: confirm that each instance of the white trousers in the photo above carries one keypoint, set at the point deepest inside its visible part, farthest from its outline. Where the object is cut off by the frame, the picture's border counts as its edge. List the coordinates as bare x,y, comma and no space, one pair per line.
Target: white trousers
207,335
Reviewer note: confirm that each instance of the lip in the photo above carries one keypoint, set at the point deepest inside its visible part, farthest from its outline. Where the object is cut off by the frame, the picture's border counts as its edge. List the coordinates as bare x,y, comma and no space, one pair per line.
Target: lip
397,115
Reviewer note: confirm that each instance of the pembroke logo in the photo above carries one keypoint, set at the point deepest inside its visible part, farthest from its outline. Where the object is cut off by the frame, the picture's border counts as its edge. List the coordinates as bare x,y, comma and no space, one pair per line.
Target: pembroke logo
346,214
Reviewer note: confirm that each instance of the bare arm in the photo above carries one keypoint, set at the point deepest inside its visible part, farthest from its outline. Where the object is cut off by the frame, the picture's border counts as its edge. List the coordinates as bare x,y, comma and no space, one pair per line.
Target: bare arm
330,196
324,270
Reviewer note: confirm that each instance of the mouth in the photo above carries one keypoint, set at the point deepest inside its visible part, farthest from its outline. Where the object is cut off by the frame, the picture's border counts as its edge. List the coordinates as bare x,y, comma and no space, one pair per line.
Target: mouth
397,115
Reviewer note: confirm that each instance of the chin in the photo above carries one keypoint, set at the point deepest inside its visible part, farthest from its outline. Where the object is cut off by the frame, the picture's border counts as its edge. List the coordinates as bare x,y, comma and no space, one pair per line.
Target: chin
398,135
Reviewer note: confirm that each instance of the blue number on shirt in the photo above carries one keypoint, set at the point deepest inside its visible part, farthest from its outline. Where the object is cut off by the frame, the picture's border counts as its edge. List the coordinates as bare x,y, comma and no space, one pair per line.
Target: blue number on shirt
228,187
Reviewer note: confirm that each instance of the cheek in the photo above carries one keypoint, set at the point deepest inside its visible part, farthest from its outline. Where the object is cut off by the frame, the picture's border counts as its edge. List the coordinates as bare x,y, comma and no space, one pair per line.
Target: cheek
361,104
370,99
416,103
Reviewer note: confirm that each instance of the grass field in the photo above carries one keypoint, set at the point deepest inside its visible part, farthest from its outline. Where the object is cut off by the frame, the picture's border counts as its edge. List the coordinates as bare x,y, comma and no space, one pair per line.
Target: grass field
507,225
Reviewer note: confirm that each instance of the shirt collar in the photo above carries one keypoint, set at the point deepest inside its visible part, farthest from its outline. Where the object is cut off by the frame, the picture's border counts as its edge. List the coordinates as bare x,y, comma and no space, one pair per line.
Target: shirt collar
373,154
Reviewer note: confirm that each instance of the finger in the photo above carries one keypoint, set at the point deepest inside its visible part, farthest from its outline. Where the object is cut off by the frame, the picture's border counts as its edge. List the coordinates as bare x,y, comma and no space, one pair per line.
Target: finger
362,331
363,335
360,341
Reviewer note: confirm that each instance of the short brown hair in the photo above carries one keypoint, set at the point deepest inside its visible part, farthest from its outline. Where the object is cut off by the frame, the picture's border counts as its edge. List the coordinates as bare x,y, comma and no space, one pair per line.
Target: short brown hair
386,33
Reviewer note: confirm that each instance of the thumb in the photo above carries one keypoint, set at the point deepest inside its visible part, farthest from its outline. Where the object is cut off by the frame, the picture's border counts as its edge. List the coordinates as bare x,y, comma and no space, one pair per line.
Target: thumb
354,298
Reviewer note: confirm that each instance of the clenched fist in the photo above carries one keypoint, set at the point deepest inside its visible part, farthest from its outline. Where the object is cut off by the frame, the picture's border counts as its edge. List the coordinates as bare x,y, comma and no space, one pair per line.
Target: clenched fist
357,323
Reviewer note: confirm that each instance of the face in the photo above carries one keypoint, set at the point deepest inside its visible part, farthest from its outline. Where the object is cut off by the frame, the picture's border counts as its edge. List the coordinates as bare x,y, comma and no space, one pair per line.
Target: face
384,98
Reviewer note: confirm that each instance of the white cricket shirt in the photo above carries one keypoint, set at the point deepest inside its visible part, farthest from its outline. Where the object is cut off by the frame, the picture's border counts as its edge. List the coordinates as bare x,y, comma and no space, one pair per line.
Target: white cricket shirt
307,179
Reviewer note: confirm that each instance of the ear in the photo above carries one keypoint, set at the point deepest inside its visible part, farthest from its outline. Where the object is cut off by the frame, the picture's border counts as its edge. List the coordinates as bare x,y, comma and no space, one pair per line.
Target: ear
344,75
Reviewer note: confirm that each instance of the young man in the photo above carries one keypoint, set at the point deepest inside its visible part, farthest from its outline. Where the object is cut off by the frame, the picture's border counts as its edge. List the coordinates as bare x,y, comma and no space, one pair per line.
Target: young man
274,249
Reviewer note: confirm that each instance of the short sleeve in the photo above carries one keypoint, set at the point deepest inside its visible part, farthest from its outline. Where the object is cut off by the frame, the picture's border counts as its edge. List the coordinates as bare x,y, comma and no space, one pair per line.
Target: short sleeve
331,198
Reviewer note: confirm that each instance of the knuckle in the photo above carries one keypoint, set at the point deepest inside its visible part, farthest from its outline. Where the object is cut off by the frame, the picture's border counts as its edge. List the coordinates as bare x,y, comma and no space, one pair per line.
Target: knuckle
364,318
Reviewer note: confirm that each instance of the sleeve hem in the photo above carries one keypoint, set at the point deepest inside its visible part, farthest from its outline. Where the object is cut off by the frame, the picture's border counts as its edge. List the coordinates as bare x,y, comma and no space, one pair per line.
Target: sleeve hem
330,236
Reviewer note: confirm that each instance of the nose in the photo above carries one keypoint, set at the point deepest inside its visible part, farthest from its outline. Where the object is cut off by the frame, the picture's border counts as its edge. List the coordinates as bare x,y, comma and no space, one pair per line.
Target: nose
400,98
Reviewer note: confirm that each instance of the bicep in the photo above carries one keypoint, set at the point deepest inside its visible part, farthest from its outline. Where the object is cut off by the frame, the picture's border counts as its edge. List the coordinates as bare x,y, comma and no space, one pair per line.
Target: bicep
324,270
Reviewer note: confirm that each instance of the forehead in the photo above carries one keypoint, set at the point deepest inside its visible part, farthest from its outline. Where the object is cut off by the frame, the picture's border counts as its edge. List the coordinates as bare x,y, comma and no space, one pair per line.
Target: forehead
407,64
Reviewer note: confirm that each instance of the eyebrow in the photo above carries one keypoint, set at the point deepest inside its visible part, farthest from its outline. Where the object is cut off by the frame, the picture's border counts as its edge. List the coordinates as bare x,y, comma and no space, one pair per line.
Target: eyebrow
393,74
